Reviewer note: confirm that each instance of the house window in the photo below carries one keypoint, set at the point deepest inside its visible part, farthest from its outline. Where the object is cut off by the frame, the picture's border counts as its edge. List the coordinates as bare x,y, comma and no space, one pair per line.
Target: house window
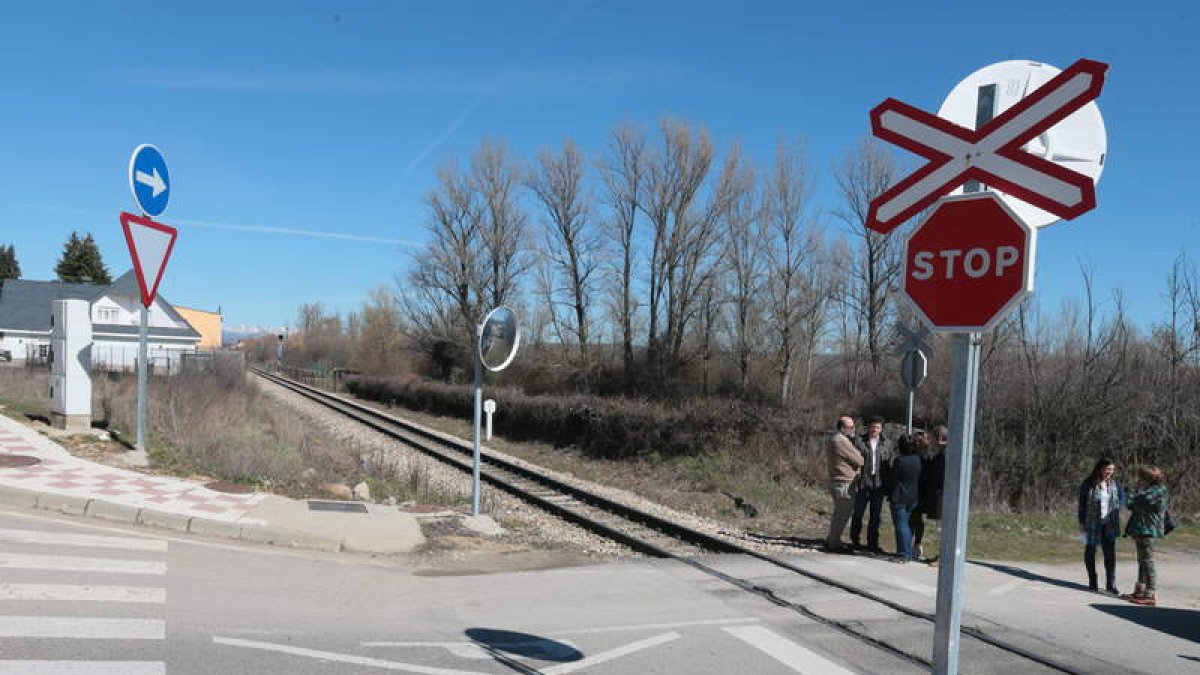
107,315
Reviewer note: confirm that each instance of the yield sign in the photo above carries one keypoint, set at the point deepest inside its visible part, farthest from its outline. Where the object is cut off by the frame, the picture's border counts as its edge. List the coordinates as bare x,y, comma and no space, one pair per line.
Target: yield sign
150,245
992,154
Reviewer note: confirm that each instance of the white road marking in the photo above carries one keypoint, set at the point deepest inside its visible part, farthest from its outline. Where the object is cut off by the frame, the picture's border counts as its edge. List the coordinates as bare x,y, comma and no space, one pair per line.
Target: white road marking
612,654
654,626
73,593
585,631
75,628
82,668
70,539
340,658
914,586
62,563
1004,588
476,650
785,651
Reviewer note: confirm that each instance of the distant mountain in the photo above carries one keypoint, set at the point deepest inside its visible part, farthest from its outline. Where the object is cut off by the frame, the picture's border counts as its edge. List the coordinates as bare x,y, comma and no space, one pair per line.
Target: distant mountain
231,334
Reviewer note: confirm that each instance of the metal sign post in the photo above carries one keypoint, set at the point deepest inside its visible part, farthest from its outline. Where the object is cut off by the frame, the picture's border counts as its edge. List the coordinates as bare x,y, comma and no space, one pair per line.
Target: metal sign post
150,244
478,415
964,387
142,375
914,366
497,339
971,258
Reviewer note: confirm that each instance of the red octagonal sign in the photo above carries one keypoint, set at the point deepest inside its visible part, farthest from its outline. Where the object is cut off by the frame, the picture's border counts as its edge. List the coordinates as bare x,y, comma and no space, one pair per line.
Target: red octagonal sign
968,262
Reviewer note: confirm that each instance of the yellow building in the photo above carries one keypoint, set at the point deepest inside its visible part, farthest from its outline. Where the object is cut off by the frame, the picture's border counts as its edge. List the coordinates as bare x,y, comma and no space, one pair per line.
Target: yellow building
207,324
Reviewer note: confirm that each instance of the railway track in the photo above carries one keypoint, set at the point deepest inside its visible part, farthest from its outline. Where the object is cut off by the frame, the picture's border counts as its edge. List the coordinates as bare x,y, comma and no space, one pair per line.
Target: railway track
655,536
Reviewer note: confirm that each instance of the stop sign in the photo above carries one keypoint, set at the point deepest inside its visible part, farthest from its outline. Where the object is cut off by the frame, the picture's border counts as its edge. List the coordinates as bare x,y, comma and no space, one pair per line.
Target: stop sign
968,262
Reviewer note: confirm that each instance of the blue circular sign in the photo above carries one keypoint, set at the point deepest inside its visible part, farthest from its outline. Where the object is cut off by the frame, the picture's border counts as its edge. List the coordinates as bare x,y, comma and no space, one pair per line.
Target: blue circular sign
149,179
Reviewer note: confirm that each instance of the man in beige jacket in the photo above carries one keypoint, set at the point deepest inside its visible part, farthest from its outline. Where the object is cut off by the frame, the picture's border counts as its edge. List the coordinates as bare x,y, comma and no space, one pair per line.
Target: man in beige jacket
845,461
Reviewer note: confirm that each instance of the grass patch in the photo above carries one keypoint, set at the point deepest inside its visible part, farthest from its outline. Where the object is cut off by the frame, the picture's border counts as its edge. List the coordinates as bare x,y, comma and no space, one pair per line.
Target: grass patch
24,391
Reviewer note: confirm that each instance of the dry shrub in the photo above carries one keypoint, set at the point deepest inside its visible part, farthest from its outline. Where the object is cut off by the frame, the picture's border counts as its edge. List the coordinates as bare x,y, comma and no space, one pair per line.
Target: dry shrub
220,424
613,427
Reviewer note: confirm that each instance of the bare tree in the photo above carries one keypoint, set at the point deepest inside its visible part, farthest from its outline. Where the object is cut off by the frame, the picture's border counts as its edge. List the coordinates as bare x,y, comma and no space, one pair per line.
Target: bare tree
572,250
863,175
377,349
681,238
624,175
495,178
443,294
797,290
745,254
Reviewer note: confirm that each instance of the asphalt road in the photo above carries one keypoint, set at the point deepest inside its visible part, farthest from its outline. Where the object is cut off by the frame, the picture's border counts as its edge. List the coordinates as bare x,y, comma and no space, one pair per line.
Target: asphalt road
79,596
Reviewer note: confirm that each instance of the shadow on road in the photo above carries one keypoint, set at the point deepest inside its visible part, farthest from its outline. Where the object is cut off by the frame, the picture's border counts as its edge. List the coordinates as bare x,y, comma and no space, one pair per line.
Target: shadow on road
1030,576
503,644
1182,623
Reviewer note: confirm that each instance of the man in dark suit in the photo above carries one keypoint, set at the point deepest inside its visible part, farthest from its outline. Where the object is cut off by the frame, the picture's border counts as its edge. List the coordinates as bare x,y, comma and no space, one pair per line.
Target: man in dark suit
877,455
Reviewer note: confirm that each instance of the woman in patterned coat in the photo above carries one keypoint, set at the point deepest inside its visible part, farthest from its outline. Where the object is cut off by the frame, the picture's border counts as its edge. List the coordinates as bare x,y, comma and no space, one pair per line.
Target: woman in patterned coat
1100,502
1148,510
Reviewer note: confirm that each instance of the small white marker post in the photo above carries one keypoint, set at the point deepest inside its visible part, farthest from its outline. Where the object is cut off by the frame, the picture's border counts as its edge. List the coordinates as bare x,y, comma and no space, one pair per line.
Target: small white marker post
489,409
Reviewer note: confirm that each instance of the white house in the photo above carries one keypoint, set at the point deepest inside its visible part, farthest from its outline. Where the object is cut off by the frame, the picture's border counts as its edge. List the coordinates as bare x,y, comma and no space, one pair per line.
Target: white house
115,311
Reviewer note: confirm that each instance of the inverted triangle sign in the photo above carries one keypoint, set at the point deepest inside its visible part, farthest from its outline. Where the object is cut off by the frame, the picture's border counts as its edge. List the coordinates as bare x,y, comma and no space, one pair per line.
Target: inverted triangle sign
150,245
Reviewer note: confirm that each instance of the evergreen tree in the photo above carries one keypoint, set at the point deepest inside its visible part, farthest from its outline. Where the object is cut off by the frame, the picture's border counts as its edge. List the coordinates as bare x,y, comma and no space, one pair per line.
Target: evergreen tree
81,262
9,267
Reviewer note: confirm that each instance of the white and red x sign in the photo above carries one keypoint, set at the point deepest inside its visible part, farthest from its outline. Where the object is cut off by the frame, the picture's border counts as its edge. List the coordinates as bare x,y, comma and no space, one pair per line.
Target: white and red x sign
991,154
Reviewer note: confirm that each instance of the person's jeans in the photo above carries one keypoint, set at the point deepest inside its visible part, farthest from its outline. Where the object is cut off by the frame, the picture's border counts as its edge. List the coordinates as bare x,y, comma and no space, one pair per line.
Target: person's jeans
843,503
904,537
1109,546
873,497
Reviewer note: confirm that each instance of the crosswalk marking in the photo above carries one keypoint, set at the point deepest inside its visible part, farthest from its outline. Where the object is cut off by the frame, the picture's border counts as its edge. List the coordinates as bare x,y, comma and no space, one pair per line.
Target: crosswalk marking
23,620
74,593
79,564
89,540
82,668
790,654
75,628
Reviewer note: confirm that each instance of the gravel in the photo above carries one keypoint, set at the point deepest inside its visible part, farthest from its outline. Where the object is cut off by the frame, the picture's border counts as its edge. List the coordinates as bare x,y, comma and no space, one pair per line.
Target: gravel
537,528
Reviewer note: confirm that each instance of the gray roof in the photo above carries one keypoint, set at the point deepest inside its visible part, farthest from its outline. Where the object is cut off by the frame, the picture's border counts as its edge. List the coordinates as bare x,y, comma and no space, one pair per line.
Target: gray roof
25,305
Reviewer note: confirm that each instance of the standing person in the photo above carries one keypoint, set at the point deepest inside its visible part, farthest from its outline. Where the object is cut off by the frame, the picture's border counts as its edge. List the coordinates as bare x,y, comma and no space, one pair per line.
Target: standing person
844,464
1100,502
877,455
1148,509
902,491
929,487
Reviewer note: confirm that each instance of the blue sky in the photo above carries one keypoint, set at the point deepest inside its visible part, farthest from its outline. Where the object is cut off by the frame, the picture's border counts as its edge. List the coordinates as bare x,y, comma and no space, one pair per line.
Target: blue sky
284,118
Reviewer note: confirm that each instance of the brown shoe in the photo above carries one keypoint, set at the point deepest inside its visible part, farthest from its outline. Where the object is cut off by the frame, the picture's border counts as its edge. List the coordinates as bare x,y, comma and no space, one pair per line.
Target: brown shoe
1146,600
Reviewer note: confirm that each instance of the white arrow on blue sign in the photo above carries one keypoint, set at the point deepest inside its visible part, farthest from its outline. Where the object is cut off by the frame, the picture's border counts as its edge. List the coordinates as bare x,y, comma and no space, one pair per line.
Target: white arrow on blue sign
149,179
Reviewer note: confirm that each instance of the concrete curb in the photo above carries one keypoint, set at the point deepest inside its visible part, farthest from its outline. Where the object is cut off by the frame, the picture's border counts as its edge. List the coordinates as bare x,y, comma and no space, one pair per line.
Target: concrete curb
120,513
72,506
163,519
134,515
282,537
12,496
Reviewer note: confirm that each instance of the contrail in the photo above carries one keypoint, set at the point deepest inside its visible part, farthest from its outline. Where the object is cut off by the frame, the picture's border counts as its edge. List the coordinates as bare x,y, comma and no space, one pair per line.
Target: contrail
551,32
296,232
241,228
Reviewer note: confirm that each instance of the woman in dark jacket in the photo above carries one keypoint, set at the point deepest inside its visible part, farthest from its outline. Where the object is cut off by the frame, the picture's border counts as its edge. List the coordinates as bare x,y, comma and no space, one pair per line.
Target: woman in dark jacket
903,479
929,486
1100,502
1148,511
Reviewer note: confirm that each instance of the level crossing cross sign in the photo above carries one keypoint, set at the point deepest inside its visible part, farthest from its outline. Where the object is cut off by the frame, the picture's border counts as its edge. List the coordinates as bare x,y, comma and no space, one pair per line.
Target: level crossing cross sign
968,262
991,154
